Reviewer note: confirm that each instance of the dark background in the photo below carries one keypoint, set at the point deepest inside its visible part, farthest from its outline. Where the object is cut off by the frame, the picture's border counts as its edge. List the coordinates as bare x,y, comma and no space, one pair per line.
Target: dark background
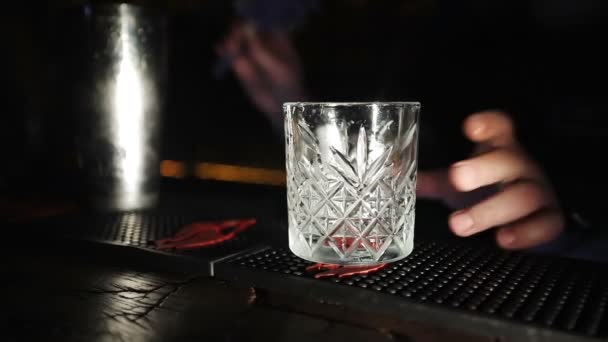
541,60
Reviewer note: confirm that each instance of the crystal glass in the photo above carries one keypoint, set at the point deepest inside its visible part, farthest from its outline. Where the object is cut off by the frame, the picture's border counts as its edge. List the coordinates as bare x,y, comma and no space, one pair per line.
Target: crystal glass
351,180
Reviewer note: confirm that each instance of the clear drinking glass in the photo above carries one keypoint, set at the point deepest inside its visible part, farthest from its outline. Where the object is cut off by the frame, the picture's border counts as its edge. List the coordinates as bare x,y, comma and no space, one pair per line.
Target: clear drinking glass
351,180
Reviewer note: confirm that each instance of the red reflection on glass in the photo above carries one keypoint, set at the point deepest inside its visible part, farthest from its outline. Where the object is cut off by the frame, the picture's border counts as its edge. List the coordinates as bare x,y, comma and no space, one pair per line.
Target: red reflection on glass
347,242
321,267
330,270
204,234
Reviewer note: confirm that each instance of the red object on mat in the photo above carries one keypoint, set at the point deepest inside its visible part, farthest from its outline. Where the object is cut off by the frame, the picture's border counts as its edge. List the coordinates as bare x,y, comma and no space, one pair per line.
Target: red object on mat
204,234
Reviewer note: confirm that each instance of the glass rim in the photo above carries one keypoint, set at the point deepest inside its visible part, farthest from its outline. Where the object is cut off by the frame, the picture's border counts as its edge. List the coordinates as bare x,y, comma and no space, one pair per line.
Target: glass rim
360,103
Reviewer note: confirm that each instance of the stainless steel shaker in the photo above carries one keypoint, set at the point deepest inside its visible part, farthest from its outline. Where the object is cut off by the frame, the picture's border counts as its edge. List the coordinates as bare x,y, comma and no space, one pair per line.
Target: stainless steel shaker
119,96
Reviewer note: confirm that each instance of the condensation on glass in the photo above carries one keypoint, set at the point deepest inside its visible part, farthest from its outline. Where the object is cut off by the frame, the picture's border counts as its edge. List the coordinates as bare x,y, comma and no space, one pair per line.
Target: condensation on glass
351,180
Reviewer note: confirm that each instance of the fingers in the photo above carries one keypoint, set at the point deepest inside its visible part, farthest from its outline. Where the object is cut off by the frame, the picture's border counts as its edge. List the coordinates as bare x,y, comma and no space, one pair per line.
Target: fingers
247,72
271,52
491,127
433,184
281,43
255,85
499,166
526,210
262,55
539,228
502,160
516,201
233,43
267,59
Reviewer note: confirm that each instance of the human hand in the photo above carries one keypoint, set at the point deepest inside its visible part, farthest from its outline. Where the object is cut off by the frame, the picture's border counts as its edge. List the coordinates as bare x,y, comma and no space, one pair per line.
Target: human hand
524,207
267,66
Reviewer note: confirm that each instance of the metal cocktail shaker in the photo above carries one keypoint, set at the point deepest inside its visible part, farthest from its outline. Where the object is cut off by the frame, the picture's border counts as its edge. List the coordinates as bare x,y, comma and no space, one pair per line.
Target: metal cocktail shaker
119,98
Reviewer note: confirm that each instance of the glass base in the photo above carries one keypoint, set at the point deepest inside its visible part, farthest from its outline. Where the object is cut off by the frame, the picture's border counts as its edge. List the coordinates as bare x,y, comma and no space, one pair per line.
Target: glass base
327,255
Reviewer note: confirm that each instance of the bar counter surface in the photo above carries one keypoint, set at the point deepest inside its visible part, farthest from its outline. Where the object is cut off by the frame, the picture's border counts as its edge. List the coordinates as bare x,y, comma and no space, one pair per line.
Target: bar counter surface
80,287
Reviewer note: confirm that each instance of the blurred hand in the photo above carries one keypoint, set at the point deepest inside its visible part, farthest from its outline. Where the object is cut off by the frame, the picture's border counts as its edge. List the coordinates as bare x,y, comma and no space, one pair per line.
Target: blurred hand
267,66
509,190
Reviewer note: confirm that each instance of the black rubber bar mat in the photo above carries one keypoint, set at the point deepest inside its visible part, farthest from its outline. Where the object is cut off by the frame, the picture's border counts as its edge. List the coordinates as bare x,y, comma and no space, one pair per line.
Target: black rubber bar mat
131,236
511,296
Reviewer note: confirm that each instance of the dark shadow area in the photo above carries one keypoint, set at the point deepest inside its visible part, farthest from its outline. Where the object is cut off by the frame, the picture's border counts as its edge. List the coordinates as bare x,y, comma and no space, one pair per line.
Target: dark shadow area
541,61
